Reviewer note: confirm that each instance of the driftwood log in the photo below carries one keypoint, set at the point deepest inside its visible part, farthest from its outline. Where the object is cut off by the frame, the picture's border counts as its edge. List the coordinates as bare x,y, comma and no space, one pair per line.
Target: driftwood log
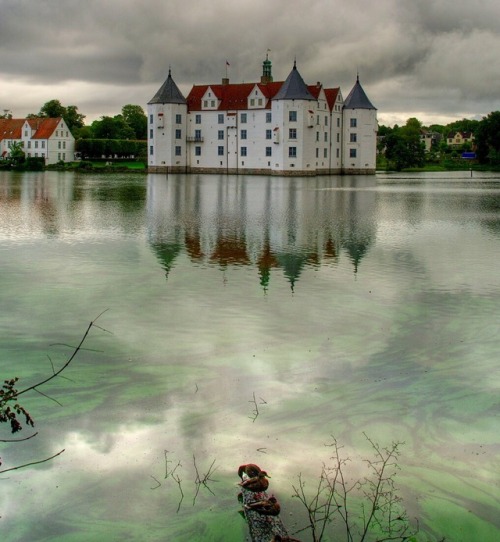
262,527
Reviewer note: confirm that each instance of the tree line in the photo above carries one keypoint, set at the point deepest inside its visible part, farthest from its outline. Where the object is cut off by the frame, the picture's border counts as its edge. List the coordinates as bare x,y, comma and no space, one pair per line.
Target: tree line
402,146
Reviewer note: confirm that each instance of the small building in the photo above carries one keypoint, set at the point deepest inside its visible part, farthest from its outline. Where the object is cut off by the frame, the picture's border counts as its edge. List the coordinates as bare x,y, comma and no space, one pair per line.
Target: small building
458,139
430,139
266,127
48,138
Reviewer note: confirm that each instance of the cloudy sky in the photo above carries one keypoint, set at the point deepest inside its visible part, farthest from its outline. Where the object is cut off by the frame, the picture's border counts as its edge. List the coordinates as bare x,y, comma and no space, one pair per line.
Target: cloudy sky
436,60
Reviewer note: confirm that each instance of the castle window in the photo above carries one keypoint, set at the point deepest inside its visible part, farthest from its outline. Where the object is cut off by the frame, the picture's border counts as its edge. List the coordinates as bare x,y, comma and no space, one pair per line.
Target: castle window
269,151
197,135
243,134
326,137
292,116
178,134
220,150
326,120
243,151
259,101
43,144
352,153
269,134
354,123
205,103
269,117
338,153
292,133
252,102
325,153
292,152
178,150
243,118
317,152
151,150
212,103
317,136
150,119
338,122
338,138
353,137
220,118
220,134
178,119
197,151
151,131
197,119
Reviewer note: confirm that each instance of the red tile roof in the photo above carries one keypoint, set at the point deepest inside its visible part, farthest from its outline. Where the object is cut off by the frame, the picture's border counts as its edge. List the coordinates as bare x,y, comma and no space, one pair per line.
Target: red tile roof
235,96
331,96
44,127
11,128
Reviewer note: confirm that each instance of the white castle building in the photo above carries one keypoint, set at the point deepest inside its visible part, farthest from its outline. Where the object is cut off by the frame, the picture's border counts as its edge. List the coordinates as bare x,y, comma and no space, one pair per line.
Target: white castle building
278,128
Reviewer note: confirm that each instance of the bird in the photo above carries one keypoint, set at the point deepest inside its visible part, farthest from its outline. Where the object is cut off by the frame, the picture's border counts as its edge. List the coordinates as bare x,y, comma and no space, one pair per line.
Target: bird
256,483
266,507
250,470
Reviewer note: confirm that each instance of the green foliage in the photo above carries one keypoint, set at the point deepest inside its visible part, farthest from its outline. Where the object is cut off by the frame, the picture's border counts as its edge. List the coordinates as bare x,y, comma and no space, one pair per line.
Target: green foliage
112,128
403,147
34,163
70,114
97,148
488,139
10,409
137,120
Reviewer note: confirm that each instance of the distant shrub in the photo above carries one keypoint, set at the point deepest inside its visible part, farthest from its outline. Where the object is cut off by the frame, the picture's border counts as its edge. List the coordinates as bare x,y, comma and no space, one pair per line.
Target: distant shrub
34,163
85,164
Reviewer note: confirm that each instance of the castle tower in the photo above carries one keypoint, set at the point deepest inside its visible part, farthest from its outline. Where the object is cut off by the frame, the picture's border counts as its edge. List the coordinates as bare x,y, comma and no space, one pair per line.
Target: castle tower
359,133
292,117
167,125
267,76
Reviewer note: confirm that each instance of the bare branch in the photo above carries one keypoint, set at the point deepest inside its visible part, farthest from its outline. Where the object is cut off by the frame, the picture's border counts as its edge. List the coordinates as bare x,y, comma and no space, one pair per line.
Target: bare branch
33,463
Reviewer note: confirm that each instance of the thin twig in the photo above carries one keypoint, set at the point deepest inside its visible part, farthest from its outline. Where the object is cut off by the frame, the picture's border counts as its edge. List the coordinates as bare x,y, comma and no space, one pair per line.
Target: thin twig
33,463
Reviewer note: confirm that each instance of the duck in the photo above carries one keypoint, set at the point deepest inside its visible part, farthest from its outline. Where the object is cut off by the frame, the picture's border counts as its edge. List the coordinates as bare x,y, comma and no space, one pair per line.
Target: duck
266,507
250,470
256,483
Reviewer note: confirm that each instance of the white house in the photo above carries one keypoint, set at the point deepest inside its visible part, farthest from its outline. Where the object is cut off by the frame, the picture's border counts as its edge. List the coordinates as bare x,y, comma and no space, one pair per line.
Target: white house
281,128
48,138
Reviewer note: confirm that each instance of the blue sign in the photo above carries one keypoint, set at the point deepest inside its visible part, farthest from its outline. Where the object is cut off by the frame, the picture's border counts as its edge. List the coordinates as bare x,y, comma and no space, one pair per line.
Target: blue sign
469,155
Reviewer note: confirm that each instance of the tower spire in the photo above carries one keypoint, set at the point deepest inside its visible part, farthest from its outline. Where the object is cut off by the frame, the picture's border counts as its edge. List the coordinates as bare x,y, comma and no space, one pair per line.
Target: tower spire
267,76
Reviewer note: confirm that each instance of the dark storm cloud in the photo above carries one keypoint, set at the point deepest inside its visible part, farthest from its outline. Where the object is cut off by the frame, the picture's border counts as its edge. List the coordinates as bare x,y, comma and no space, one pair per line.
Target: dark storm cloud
433,58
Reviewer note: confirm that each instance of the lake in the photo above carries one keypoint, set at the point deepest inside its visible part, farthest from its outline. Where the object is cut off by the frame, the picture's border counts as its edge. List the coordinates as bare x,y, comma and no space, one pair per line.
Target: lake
247,319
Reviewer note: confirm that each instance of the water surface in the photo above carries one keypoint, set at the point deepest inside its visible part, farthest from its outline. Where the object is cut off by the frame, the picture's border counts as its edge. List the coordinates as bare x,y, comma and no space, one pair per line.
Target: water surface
248,319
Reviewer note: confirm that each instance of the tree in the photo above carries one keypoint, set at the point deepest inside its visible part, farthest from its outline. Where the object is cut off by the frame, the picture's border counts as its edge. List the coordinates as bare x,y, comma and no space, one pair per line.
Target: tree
488,139
54,109
404,147
137,120
112,128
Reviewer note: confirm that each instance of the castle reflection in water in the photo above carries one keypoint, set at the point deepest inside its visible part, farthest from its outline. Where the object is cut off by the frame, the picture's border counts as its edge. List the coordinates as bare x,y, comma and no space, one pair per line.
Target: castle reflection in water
278,225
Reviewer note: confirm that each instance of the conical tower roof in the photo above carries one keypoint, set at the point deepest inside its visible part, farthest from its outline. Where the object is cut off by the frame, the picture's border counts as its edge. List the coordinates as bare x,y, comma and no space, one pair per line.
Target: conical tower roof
357,99
169,93
294,87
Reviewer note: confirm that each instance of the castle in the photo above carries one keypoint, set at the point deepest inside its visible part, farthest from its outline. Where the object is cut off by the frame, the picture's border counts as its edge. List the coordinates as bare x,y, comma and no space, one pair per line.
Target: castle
277,128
